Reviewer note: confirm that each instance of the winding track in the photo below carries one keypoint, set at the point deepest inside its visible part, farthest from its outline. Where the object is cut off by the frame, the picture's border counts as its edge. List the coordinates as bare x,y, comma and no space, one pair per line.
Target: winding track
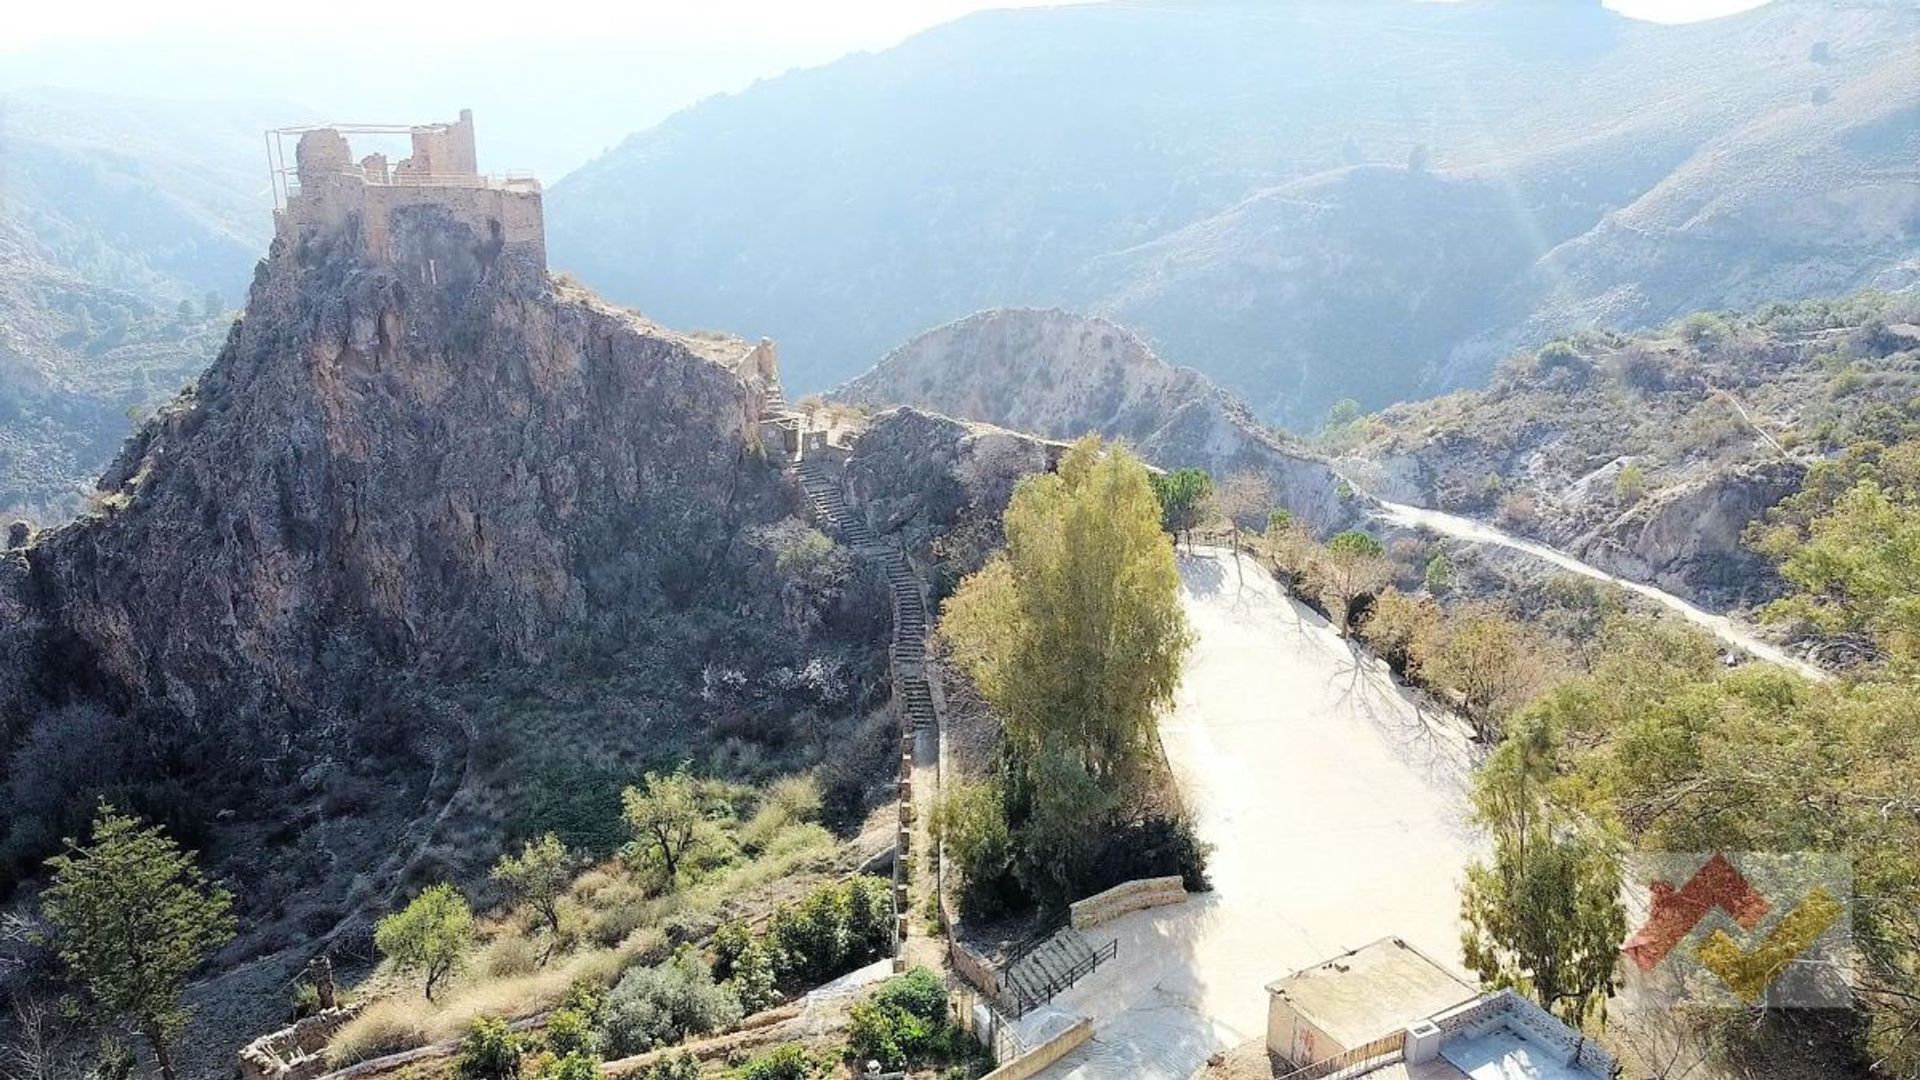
1720,626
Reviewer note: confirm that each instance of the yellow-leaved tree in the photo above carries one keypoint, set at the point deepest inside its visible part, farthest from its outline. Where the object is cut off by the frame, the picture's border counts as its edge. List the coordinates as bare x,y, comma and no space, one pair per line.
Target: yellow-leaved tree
1074,634
1075,637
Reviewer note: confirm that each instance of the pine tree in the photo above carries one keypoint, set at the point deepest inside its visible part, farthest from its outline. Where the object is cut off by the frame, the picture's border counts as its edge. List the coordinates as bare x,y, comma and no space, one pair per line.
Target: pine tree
133,916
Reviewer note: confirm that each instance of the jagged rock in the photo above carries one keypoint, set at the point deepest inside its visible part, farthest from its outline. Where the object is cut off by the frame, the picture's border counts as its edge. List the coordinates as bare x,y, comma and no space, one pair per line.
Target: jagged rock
434,462
923,477
1689,539
1062,375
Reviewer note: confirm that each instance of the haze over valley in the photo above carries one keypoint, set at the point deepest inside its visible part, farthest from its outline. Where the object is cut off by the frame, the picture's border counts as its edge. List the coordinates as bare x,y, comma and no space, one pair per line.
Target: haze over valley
1161,540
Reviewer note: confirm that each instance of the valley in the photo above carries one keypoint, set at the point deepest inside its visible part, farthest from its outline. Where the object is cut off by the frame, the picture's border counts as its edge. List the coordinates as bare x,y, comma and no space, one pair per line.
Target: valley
1230,541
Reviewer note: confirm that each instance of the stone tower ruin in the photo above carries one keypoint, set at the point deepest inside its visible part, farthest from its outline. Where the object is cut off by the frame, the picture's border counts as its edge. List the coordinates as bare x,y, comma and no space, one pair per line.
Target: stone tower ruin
326,188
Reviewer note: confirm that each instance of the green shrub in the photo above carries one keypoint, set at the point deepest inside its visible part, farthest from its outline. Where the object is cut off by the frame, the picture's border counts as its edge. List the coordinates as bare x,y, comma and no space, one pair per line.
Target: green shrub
729,942
571,1067
972,824
836,927
570,1031
1705,330
904,1023
1630,485
678,1066
787,1062
753,983
919,992
489,1052
662,1005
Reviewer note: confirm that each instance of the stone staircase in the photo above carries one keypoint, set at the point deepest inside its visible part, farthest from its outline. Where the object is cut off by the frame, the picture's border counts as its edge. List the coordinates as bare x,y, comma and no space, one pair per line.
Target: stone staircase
907,650
1036,972
908,647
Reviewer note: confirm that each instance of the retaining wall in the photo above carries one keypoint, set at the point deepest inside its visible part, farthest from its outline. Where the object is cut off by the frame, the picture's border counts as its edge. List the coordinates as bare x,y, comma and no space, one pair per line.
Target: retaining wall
1125,898
1046,1053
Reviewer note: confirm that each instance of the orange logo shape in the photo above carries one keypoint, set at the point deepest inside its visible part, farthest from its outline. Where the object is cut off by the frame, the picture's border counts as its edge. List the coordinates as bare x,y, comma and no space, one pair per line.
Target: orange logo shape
1677,911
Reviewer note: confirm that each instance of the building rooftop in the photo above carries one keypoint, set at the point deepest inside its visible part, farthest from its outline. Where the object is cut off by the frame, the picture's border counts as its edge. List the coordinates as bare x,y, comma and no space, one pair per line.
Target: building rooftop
1373,990
1502,1053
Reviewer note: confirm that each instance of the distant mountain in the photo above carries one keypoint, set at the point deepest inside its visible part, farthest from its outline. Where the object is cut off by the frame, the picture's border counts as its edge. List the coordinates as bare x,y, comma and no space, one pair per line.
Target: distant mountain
1305,200
113,213
1064,375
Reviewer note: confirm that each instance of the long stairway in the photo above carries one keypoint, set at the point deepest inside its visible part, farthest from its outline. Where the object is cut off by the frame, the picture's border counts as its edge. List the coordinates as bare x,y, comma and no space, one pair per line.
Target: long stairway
908,647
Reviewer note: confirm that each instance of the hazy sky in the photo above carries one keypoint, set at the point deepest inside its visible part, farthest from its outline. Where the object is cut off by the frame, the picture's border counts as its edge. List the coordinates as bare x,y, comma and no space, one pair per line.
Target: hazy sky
840,24
551,82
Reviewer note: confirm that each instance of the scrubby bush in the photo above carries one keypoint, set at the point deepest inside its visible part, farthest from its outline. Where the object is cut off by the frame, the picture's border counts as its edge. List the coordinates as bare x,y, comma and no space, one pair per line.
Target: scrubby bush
489,1052
1401,630
971,823
753,983
677,1066
1704,330
570,1067
1560,356
1518,509
728,943
904,1023
662,1005
1631,485
570,1031
789,1062
834,928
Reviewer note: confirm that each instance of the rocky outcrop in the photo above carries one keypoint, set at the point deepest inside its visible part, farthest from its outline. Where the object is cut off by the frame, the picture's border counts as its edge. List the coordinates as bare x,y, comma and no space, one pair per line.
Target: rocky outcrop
939,485
1063,375
437,463
1689,540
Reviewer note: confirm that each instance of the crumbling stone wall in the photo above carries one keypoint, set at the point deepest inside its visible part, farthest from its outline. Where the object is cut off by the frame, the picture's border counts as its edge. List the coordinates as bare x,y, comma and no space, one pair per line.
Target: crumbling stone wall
443,171
298,1052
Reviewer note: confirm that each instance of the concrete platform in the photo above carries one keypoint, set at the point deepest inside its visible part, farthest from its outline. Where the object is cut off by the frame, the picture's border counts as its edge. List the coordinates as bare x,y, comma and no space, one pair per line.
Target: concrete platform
1336,804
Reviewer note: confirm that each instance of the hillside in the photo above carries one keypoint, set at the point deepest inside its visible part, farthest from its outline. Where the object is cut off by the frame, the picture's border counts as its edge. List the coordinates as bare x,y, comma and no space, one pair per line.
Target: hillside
1649,454
113,214
420,554
1303,207
1063,375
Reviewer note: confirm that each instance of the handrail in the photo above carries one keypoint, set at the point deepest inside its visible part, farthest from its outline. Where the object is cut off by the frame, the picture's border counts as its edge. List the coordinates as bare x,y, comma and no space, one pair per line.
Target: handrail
1027,997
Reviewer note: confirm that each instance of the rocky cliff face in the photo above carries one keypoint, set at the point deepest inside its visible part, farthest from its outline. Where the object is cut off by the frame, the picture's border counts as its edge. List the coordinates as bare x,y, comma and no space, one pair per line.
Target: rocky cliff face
430,524
437,463
939,485
1063,375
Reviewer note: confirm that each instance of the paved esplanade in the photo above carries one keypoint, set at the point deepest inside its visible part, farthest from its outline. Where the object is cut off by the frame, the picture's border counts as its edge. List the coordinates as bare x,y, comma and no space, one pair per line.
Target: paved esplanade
1336,804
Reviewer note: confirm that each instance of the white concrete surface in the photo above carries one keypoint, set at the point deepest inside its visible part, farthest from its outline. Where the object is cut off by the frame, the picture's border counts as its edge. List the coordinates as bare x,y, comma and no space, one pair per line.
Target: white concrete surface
1336,804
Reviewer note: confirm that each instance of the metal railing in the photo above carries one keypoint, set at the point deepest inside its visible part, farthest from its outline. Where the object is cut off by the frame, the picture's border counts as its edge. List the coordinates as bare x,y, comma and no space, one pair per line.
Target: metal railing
1023,997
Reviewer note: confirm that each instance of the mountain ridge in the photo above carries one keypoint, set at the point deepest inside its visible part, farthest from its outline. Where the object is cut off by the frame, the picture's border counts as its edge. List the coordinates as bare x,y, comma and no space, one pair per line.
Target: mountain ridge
964,130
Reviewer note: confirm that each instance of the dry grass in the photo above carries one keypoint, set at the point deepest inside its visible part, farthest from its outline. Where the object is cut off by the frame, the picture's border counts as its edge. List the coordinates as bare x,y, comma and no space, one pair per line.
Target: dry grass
405,1020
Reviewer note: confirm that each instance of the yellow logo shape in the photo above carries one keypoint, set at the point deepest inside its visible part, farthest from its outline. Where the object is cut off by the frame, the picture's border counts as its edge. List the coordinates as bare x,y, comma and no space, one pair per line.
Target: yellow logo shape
1749,973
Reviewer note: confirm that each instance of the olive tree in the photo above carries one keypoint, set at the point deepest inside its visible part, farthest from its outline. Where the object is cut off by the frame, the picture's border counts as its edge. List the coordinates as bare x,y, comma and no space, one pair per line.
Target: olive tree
430,936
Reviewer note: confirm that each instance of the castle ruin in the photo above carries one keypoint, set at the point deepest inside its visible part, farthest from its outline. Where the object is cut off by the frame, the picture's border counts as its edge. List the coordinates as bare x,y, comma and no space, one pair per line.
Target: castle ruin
326,188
